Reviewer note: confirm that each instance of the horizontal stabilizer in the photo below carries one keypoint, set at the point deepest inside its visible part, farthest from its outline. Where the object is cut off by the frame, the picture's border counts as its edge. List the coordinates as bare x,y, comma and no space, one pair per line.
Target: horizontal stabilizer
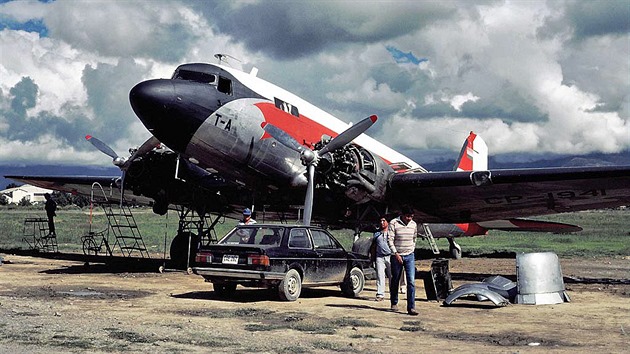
529,225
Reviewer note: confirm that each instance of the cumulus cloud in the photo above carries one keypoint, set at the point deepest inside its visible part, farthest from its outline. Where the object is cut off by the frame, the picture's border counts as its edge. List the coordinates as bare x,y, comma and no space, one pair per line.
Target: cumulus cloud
113,28
530,77
289,30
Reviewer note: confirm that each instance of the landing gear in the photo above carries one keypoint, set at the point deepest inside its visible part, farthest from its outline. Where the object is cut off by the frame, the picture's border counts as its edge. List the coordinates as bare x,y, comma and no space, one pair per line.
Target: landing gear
195,228
454,249
179,249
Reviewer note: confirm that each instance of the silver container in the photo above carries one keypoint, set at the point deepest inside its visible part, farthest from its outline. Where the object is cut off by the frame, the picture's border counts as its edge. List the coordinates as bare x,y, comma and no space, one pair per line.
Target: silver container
539,279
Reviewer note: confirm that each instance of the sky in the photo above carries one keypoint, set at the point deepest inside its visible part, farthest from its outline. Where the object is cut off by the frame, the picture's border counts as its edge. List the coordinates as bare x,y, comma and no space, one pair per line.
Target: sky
530,77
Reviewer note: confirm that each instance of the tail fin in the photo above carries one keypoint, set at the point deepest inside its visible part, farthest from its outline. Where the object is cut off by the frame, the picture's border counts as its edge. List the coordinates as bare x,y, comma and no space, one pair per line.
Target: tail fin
473,156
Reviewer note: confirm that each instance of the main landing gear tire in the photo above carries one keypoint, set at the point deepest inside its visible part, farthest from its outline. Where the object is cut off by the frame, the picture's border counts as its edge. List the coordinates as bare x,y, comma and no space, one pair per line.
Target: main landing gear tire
290,287
179,249
354,283
224,290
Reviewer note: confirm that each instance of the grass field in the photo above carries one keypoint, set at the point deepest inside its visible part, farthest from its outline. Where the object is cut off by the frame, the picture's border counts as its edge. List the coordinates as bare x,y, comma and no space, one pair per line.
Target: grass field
605,232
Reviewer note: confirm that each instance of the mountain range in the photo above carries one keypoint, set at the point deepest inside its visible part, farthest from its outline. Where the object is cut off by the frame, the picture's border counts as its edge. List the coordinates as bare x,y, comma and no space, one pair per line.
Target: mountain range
494,162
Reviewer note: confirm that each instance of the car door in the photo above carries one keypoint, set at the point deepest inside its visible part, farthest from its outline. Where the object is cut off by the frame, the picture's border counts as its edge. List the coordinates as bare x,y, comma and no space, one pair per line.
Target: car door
300,251
332,259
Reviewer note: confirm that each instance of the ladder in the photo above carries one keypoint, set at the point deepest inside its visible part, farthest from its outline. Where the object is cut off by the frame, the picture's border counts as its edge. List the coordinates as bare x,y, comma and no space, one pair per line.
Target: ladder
36,231
429,237
122,225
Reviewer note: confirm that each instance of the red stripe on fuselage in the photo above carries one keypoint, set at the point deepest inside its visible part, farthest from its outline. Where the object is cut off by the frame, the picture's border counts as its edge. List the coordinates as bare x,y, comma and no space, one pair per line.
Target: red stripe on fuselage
304,130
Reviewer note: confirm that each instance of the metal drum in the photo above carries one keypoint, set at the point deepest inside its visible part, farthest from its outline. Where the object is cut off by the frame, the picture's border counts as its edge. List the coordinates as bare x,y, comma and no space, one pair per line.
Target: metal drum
539,279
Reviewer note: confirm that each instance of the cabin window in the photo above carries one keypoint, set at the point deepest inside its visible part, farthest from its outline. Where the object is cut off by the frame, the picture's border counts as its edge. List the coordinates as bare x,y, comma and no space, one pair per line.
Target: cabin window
287,107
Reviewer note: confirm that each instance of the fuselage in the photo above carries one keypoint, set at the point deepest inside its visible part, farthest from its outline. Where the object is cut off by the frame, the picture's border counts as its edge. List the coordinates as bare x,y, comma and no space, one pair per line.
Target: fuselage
212,116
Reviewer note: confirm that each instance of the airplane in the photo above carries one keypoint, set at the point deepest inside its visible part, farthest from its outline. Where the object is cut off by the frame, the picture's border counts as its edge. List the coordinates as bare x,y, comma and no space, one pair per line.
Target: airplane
224,139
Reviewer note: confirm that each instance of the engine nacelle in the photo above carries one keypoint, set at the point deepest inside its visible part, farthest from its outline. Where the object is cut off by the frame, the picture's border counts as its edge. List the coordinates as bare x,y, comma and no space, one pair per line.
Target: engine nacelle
356,172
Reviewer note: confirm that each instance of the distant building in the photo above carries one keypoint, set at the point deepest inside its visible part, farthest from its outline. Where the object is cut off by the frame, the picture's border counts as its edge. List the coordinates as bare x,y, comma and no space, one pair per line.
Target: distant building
33,194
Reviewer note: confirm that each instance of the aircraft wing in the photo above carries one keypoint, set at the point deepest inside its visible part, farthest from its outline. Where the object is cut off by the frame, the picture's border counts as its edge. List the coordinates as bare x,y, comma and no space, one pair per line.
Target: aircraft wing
503,194
83,185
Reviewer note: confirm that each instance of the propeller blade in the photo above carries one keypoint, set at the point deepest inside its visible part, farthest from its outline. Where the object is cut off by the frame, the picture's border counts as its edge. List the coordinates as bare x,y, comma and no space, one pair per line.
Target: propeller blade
310,157
308,200
282,137
101,146
348,135
146,147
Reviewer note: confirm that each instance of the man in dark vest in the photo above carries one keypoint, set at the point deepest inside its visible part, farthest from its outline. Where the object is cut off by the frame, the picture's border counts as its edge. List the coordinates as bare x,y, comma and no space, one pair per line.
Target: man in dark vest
50,207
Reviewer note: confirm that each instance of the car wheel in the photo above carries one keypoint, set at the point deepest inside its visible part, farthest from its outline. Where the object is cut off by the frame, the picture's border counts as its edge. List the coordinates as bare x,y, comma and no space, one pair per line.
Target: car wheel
224,289
354,283
291,286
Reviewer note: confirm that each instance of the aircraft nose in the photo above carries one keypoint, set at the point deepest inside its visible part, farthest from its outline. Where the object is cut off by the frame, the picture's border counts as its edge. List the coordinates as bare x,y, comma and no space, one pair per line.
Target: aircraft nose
168,111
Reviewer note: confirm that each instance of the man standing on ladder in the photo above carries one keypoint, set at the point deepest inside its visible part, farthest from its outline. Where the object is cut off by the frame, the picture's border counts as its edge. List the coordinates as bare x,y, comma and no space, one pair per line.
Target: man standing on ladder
50,207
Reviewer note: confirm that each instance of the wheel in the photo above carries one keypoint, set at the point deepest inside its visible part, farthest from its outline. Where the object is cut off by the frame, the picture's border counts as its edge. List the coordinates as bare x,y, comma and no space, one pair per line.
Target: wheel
89,247
179,249
224,289
291,286
454,249
354,283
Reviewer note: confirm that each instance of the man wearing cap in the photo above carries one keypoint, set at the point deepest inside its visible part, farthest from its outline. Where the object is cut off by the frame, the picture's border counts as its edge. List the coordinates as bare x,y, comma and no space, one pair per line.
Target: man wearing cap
402,243
247,217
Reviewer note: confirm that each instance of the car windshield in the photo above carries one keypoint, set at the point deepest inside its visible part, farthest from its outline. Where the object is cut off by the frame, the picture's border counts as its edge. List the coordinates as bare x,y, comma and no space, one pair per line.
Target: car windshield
254,235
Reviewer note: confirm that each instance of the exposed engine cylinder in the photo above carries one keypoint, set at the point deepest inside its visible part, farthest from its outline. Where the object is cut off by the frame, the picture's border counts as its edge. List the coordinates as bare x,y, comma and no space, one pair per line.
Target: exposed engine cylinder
356,172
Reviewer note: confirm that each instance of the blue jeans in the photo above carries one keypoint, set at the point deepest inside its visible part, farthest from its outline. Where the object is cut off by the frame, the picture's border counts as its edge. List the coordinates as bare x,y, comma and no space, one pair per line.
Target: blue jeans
408,265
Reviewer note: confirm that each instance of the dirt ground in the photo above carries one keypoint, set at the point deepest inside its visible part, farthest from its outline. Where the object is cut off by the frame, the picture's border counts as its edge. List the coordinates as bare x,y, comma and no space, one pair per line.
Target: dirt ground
49,305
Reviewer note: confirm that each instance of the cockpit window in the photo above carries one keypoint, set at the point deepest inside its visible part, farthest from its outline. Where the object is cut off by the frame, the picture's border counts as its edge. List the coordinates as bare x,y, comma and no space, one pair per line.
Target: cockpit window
195,76
223,84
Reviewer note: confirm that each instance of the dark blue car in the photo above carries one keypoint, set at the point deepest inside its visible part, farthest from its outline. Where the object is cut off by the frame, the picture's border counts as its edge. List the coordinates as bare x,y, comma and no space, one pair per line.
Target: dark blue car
286,257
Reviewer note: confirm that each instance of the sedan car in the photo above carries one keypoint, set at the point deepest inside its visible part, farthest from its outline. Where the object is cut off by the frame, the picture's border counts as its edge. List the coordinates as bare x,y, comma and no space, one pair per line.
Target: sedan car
284,257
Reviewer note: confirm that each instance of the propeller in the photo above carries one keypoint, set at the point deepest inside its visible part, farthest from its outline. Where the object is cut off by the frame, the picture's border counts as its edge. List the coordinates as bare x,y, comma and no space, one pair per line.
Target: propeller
120,161
310,158
146,147
104,148
123,162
